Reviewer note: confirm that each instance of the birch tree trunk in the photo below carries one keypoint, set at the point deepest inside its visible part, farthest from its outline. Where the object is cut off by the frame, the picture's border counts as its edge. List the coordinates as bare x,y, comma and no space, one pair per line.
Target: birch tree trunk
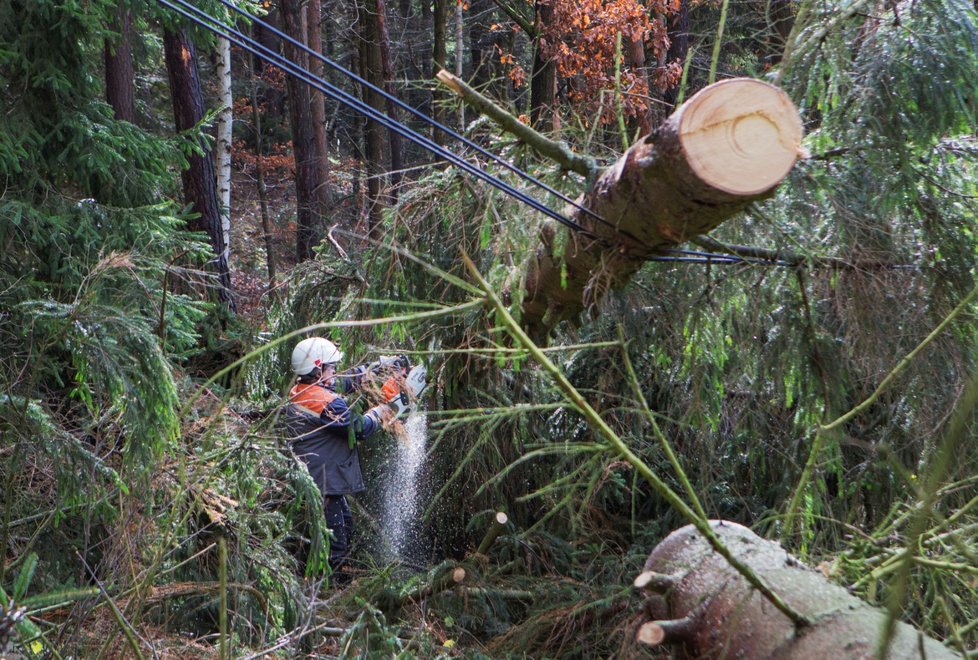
222,153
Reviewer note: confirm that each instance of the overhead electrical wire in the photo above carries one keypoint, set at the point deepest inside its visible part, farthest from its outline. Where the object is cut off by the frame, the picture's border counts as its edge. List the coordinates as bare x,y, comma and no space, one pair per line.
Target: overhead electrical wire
212,24
431,121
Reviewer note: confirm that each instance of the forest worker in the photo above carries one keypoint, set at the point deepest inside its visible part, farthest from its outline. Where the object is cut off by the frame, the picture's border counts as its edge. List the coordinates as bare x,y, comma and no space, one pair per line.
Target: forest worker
324,431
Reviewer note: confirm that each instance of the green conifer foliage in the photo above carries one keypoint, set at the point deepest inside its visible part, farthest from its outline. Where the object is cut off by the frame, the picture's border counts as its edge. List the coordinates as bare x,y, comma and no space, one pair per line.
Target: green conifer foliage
88,246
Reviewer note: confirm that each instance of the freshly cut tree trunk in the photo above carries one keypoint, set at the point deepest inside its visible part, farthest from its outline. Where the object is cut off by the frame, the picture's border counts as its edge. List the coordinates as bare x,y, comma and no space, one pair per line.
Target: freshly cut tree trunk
698,603
727,146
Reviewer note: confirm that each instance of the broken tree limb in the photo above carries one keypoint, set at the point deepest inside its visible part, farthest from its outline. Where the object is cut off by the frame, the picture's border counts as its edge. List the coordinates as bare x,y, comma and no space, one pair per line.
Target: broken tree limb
713,612
559,152
655,582
498,525
729,145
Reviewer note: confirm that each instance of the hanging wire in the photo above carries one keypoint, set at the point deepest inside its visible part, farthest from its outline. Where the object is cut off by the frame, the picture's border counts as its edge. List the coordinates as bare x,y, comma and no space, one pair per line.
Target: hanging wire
366,84
212,24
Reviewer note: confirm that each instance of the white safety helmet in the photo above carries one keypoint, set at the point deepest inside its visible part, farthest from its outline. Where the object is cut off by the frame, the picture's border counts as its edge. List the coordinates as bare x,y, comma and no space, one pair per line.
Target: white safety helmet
314,352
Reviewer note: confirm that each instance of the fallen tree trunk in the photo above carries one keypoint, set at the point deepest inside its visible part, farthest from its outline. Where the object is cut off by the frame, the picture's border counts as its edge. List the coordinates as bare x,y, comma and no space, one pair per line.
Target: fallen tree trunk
727,146
697,602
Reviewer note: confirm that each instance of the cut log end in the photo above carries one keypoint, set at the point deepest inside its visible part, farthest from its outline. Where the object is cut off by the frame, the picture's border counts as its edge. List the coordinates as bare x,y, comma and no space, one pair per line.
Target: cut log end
650,634
501,518
741,136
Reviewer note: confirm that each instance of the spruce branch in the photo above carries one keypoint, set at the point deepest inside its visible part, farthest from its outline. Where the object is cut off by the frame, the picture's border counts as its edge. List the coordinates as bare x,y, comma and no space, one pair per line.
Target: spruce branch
594,419
824,429
559,152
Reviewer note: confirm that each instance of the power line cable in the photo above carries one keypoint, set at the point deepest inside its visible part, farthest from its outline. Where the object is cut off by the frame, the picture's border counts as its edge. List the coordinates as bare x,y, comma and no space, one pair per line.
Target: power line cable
431,121
198,17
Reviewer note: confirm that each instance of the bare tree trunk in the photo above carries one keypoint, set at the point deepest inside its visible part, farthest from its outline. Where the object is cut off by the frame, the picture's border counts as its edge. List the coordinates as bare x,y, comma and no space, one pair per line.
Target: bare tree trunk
459,59
266,225
222,154
396,150
543,78
729,145
372,69
678,31
311,188
703,607
199,180
634,56
315,40
439,55
120,74
780,18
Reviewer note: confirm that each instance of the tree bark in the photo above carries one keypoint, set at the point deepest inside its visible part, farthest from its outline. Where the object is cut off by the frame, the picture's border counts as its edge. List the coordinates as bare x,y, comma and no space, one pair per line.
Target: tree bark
372,69
311,188
314,37
729,145
678,31
222,154
543,77
387,68
199,182
709,611
120,73
439,53
266,224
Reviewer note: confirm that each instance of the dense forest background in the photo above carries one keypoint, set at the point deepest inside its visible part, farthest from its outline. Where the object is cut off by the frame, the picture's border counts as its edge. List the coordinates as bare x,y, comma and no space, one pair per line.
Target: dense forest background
175,214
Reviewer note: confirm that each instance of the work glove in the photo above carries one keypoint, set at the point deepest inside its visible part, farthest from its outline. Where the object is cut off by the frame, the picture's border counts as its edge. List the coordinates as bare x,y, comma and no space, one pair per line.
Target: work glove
388,364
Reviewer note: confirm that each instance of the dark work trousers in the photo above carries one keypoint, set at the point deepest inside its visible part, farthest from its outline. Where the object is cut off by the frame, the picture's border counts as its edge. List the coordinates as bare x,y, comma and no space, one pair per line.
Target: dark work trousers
339,519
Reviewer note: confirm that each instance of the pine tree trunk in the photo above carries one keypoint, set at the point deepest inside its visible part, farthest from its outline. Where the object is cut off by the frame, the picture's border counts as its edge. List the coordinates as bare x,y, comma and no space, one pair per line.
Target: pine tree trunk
311,187
729,145
120,74
199,181
703,608
222,154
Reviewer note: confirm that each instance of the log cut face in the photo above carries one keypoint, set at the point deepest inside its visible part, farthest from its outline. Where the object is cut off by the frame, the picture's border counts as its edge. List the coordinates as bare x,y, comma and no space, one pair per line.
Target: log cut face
709,611
729,145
